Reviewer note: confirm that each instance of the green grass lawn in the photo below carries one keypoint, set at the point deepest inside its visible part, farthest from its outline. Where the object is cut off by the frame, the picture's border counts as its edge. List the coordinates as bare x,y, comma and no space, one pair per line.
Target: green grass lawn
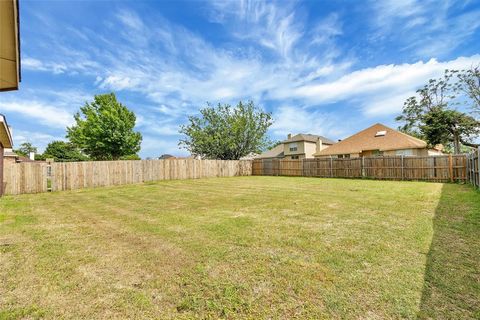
244,247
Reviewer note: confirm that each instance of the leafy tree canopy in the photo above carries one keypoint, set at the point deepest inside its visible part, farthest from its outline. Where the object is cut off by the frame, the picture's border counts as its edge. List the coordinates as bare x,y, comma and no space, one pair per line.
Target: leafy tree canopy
431,115
226,132
63,151
25,149
104,129
469,84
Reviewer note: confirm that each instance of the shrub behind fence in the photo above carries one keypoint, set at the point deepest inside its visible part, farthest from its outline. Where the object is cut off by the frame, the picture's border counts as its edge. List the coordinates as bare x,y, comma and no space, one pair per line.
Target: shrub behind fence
34,177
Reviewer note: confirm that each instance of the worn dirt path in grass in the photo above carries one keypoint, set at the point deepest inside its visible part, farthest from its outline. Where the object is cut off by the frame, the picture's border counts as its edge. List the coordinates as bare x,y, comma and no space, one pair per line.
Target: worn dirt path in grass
250,247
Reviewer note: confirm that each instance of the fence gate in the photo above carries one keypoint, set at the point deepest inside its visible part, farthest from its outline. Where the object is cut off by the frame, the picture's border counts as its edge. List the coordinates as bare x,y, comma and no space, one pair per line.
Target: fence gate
473,168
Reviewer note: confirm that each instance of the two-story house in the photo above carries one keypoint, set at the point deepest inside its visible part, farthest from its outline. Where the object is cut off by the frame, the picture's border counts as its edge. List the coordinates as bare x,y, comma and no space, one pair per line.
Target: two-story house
299,146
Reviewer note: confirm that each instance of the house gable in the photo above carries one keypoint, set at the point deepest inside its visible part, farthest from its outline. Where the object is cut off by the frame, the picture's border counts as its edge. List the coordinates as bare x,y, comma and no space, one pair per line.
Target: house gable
377,137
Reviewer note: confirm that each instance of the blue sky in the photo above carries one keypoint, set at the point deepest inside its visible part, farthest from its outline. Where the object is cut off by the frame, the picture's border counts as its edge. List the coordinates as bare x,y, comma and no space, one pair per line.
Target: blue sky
321,67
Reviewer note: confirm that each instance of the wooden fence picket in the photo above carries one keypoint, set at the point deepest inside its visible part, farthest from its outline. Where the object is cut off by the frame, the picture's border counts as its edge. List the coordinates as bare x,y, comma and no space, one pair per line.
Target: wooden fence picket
447,168
35,177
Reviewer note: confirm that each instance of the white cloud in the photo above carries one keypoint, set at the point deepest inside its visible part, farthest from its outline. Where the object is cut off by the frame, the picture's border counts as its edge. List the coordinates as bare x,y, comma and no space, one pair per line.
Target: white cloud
117,82
157,126
176,71
384,81
38,139
291,119
386,105
130,19
37,65
327,29
266,23
182,79
425,27
46,114
31,63
156,146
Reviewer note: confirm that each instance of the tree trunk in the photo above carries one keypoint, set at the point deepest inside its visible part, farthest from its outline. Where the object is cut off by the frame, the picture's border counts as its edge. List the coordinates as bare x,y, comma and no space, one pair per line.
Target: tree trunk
456,144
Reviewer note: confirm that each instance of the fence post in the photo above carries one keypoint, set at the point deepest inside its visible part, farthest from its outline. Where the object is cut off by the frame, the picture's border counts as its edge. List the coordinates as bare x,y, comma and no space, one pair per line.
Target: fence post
331,167
478,167
403,175
49,176
363,167
450,167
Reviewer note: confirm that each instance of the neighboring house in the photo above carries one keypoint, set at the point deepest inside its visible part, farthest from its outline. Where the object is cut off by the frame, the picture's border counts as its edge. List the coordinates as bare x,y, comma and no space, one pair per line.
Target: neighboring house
378,140
166,156
11,157
299,146
250,156
274,153
5,142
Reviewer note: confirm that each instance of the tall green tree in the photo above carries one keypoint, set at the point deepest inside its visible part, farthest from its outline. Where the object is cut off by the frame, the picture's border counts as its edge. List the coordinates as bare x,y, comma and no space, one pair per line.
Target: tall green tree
104,129
63,151
226,132
25,149
431,114
450,127
469,84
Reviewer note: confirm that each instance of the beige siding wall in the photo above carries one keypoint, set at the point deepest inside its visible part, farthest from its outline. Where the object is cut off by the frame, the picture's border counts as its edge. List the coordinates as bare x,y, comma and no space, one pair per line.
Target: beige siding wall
324,146
369,153
300,156
414,152
434,152
310,148
305,149
300,148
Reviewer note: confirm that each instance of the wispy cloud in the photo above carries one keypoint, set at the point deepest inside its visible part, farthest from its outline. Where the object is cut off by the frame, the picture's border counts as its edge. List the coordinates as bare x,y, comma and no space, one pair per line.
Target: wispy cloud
273,26
293,62
39,139
380,82
295,119
130,19
427,27
45,114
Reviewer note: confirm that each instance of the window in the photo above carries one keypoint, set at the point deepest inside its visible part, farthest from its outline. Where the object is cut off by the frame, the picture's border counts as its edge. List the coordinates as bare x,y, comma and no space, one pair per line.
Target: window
293,146
404,152
294,157
344,156
377,153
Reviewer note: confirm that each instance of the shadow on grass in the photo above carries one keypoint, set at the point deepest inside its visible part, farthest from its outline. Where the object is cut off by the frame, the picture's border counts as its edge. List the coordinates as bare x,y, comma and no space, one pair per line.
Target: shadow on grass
452,275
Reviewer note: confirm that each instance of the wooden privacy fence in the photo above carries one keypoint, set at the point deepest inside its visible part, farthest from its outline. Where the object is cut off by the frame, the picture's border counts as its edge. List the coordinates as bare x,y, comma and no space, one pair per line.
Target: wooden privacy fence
437,168
31,177
473,168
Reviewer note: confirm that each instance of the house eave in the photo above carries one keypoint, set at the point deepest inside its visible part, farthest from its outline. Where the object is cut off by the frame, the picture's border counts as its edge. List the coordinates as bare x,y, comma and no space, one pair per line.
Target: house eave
5,134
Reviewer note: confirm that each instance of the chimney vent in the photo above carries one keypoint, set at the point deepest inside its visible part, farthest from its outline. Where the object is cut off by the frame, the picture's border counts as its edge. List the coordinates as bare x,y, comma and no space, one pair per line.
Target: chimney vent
289,136
32,156
319,145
